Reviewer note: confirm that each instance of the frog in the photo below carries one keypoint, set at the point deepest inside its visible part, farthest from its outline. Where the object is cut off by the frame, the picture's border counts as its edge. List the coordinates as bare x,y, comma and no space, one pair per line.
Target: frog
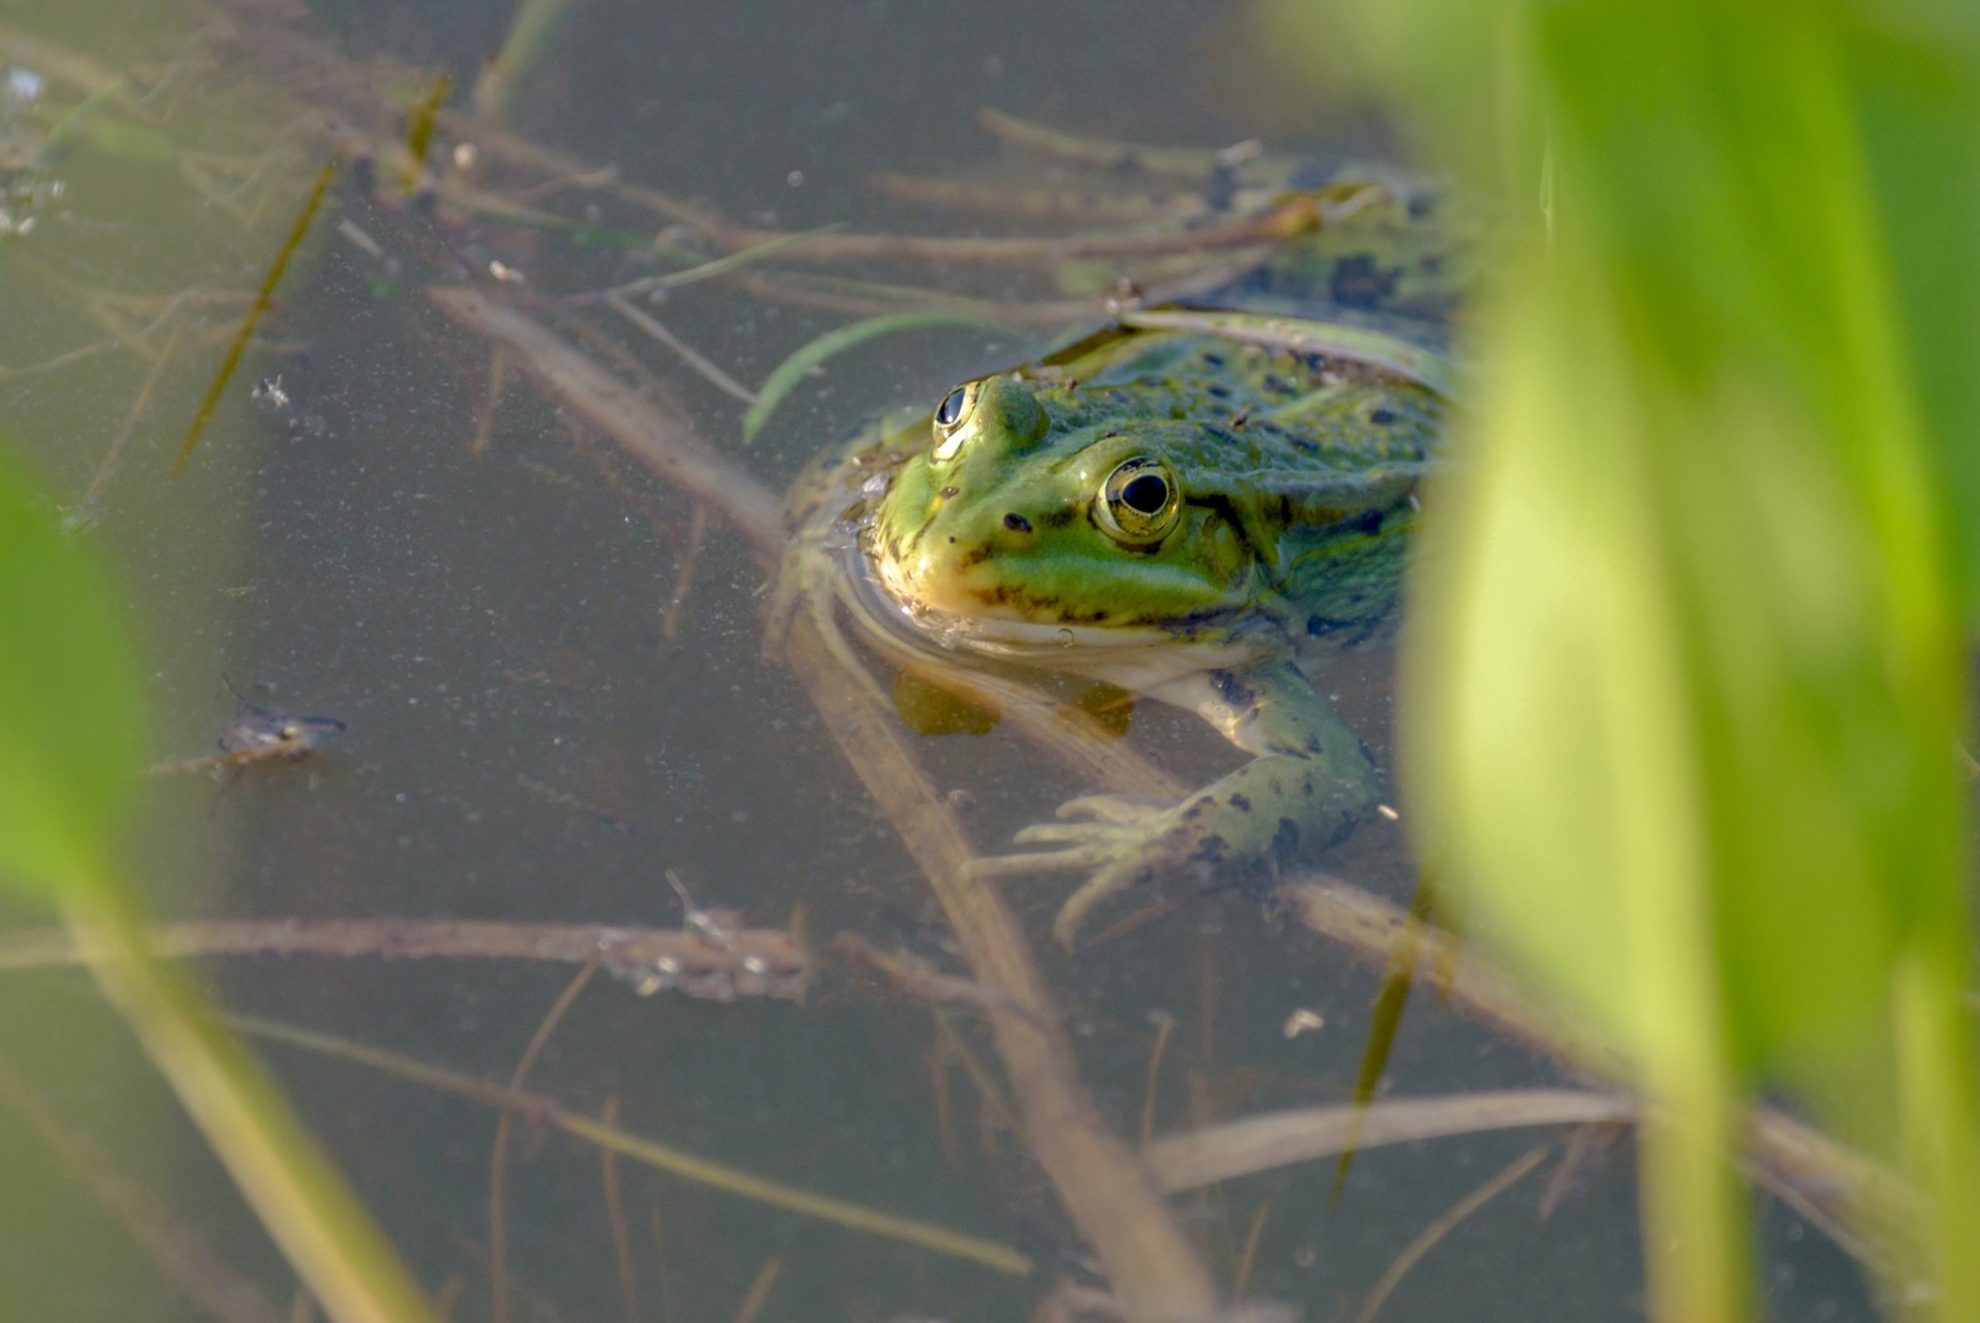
1199,504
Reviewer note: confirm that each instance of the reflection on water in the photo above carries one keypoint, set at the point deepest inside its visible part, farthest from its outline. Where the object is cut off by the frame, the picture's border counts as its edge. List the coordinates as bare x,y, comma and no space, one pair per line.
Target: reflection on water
544,667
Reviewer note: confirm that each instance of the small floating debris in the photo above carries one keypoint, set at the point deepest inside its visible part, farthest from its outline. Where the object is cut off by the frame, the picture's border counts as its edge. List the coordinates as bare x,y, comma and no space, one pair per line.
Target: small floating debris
744,962
258,735
268,395
712,957
21,86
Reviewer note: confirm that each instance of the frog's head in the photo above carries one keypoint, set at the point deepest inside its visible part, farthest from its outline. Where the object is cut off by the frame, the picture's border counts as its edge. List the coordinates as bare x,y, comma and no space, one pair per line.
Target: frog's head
1035,508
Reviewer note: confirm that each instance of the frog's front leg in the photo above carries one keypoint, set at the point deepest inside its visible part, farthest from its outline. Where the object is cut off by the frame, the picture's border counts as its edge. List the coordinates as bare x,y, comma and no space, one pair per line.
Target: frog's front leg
1305,789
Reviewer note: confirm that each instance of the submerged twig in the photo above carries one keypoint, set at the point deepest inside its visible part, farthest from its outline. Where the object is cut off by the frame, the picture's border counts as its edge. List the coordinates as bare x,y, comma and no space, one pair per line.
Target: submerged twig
263,301
498,1162
1248,1252
173,1243
1189,164
1196,1158
653,436
765,962
921,981
615,1216
86,504
1281,222
998,198
1426,1240
688,561
549,1112
758,1294
1153,1266
728,264
652,327
1398,980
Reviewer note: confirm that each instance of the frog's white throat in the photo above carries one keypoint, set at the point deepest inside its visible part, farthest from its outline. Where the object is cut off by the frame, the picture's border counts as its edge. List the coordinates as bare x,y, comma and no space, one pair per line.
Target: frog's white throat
1143,659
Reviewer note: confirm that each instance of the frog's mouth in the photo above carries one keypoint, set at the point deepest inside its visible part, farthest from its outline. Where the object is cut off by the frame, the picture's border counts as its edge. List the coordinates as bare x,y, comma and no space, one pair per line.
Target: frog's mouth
1136,657
984,628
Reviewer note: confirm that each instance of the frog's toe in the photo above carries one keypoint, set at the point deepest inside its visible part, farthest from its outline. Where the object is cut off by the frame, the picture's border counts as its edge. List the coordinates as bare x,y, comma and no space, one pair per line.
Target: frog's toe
1032,862
1122,809
1106,882
1099,835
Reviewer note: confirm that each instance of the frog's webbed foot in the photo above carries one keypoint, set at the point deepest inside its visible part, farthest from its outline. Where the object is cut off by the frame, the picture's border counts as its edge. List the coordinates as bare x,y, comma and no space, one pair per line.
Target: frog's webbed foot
1113,823
1115,839
1308,786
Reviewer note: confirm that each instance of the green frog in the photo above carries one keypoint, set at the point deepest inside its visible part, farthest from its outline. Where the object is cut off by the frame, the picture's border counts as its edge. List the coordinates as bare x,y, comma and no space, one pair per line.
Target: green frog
1196,504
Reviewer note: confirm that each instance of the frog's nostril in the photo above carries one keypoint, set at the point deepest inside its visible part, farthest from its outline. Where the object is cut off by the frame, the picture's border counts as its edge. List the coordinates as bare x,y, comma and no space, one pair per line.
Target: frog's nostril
1017,523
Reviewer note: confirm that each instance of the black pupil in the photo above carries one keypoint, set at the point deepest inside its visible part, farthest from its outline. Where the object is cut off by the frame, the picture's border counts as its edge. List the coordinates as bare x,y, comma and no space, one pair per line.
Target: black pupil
950,410
1146,494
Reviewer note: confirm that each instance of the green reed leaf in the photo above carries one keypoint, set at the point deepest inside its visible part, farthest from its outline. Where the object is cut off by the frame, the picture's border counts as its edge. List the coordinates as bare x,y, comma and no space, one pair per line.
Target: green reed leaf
69,741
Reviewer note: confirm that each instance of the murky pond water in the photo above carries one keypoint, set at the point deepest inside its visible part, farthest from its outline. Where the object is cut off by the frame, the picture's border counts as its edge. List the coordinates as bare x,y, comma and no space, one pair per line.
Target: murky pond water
542,685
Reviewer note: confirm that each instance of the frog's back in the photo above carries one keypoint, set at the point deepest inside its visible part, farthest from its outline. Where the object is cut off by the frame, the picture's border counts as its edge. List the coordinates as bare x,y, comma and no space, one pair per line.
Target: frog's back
1386,255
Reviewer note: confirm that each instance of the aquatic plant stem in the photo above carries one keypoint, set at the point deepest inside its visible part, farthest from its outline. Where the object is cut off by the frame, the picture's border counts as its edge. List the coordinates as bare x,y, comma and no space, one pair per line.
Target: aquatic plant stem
606,1137
175,1245
1507,1177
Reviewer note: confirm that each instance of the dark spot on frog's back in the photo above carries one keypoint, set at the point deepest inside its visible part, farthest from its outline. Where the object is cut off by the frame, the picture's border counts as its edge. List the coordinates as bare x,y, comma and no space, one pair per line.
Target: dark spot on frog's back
1285,841
1240,801
1220,190
1209,850
1232,690
976,555
1357,282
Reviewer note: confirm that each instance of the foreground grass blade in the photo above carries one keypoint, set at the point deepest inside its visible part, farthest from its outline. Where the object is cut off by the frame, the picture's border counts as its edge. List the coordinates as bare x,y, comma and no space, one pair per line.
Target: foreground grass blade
1691,663
69,749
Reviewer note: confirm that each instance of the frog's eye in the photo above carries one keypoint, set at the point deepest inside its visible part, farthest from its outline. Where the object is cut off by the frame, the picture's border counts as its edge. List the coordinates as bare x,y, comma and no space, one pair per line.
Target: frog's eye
950,415
950,411
1139,503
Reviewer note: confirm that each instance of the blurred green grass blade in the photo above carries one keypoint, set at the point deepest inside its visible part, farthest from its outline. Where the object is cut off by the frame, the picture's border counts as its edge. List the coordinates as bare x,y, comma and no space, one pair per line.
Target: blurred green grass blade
69,730
1680,712
1915,64
69,749
301,1199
